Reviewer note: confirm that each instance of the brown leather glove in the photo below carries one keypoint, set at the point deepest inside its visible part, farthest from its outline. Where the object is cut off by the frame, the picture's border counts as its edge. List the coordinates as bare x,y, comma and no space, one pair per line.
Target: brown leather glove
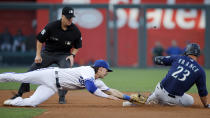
138,98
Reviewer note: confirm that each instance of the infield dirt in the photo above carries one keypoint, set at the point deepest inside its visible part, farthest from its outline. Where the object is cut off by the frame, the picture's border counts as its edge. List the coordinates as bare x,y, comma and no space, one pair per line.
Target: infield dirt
82,104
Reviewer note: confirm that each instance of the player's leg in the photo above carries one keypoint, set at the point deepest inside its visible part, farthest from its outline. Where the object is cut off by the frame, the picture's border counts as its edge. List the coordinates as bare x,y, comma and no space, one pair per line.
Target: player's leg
153,98
166,99
163,96
41,94
186,100
62,63
12,77
44,76
47,60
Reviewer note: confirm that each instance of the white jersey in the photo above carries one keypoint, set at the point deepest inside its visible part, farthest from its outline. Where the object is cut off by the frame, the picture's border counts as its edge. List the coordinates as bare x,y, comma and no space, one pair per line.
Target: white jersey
74,78
69,78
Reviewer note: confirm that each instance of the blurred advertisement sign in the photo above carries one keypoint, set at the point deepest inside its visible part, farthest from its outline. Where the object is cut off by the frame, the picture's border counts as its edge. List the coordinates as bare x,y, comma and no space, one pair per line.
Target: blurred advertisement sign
164,25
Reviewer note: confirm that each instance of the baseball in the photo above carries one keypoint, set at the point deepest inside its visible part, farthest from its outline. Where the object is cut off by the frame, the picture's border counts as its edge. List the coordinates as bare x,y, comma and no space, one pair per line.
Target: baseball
127,103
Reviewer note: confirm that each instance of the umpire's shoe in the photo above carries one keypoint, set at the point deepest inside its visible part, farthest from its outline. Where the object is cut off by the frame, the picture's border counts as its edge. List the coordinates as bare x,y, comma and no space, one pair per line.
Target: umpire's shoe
62,94
62,100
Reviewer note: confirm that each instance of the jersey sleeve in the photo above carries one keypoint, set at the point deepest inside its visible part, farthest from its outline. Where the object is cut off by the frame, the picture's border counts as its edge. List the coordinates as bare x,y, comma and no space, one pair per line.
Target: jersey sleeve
91,87
101,85
78,42
164,60
201,84
44,34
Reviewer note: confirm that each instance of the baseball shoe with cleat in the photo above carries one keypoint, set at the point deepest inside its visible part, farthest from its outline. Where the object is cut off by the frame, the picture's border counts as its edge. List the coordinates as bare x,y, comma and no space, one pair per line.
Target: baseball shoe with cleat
8,102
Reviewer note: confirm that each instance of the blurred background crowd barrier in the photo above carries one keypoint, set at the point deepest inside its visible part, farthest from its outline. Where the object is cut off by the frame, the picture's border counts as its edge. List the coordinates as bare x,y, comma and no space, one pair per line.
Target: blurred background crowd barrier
127,33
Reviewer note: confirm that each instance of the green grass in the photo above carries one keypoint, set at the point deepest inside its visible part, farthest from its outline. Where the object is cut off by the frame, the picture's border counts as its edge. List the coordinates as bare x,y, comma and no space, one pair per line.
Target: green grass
134,79
124,79
127,80
20,112
139,80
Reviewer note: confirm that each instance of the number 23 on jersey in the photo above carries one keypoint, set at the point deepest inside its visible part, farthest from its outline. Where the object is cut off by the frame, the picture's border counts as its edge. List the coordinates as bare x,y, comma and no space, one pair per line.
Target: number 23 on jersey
181,73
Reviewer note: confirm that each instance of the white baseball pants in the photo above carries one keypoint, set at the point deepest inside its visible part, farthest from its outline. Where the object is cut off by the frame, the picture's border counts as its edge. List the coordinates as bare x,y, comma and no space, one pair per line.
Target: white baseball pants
163,97
45,78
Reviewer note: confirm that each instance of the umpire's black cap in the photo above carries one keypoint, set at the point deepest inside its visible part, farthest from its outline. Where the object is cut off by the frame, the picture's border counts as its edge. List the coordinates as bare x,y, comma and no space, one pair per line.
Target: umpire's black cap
68,12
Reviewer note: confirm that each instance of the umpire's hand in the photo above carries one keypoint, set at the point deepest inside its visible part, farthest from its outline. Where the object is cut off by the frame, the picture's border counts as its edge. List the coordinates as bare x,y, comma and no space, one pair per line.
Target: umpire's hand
38,59
71,59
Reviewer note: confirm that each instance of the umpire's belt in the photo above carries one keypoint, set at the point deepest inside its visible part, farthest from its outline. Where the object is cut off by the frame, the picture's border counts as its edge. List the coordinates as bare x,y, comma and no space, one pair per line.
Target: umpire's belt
57,80
170,95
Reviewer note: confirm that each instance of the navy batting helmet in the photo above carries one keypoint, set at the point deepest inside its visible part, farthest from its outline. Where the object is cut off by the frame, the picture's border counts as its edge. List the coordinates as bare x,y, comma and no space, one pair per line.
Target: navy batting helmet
192,49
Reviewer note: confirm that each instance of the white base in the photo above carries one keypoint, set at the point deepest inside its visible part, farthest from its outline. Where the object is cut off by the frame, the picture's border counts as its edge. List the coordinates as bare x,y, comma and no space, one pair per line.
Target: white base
127,103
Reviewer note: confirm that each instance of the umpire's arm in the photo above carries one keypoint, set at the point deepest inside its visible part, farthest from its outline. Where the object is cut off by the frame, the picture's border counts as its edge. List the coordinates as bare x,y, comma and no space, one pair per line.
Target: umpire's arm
71,56
38,58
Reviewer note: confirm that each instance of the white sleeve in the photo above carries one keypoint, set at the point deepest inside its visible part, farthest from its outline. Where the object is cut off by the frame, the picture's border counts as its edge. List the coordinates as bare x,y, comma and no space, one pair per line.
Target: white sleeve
98,92
101,85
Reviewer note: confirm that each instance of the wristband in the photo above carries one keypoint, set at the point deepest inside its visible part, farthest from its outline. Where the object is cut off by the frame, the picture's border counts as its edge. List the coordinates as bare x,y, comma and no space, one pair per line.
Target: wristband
126,97
73,55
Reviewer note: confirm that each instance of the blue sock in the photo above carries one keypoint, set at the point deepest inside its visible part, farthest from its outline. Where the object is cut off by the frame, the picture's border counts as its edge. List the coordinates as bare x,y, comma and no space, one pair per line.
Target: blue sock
126,97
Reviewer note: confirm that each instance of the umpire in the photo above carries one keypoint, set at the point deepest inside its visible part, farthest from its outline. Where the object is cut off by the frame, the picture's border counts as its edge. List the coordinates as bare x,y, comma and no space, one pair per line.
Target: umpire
62,41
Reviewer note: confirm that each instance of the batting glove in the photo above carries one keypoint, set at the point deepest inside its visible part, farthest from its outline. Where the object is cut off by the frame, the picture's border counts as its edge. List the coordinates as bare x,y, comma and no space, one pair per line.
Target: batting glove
207,106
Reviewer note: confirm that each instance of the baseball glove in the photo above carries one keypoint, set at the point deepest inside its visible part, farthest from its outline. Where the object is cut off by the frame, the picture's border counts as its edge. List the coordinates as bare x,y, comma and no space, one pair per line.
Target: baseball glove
138,98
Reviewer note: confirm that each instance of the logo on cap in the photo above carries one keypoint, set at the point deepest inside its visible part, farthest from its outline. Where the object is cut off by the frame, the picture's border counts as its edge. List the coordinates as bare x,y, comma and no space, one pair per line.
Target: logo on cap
68,12
71,11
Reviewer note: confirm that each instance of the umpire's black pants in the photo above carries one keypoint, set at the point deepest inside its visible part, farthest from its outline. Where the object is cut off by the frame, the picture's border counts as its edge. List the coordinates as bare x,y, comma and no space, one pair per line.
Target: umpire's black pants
48,58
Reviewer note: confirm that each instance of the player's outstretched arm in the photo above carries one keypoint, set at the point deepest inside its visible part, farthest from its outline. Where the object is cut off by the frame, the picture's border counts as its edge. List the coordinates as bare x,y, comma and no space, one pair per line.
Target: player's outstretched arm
134,98
90,86
115,93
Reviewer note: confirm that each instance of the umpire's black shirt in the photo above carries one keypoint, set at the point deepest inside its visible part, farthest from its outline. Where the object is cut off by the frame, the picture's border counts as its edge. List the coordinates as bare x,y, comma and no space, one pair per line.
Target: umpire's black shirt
58,40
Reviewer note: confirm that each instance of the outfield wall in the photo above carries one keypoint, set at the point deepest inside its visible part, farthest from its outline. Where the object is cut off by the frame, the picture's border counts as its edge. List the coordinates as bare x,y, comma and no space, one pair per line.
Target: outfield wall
182,25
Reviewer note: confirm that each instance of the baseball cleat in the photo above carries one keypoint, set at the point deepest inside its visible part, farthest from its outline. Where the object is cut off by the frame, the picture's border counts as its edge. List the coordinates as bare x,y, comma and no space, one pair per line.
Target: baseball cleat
7,102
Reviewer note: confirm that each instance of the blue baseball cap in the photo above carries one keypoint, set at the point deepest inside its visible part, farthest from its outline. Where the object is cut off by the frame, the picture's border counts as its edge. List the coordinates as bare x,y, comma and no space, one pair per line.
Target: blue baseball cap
102,63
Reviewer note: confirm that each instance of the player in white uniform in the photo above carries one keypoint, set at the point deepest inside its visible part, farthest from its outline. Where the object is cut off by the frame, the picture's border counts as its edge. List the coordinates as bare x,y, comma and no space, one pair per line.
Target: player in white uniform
52,79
